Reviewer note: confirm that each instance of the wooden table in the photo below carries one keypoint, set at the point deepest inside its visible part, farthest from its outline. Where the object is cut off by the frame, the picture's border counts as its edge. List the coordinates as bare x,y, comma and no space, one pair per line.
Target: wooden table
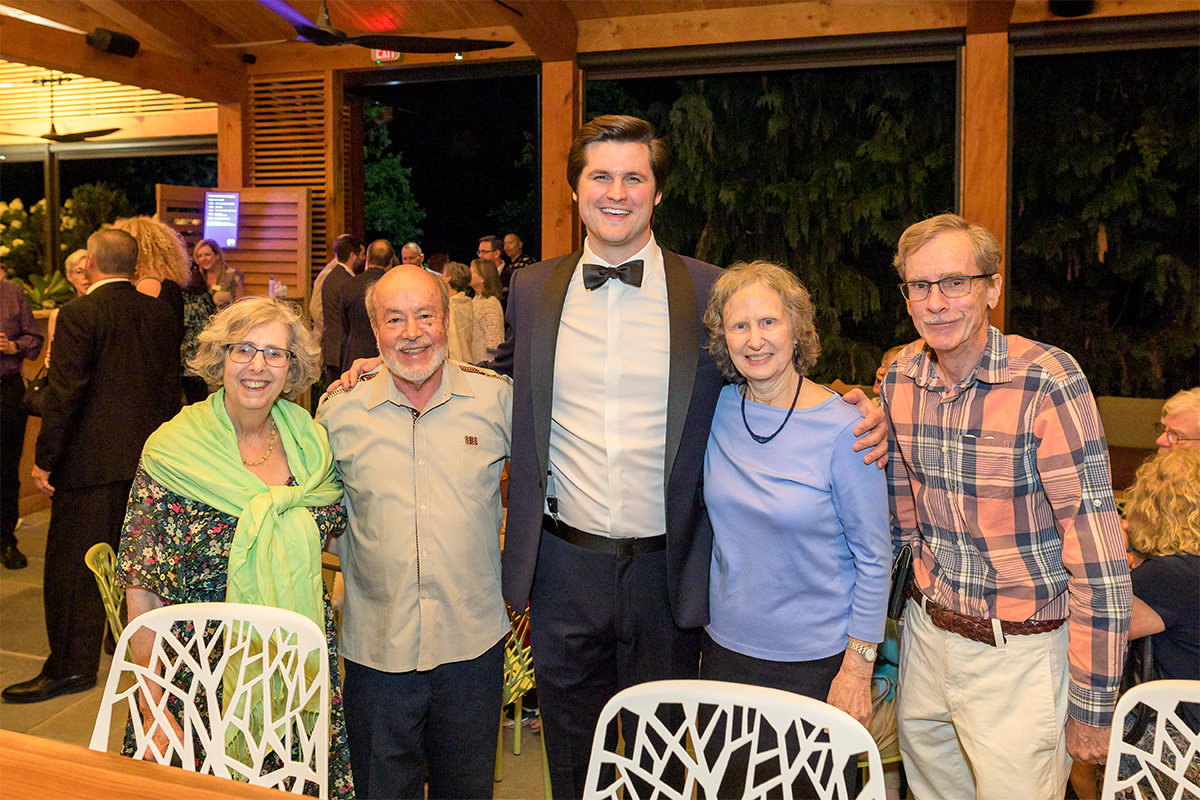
32,768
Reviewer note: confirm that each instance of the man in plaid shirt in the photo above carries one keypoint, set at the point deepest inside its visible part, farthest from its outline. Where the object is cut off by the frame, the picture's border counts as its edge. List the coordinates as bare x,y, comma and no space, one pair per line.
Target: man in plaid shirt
999,480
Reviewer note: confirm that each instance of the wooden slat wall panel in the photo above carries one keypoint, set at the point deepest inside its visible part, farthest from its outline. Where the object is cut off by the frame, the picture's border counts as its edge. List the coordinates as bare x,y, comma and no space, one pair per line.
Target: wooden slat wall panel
274,233
287,149
81,97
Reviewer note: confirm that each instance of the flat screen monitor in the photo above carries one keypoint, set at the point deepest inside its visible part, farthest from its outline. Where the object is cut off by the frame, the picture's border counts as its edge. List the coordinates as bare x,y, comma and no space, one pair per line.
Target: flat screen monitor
221,217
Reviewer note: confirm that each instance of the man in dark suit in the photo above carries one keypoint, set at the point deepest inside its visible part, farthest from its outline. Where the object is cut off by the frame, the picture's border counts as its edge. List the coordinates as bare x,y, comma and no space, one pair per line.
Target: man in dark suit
613,399
349,260
358,336
113,380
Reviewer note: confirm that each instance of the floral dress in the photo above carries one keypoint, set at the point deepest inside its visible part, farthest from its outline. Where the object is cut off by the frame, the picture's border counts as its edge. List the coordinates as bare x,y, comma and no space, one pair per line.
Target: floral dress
178,548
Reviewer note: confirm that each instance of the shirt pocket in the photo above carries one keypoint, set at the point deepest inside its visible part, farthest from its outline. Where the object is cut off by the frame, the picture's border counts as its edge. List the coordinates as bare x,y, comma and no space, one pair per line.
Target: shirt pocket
481,460
991,465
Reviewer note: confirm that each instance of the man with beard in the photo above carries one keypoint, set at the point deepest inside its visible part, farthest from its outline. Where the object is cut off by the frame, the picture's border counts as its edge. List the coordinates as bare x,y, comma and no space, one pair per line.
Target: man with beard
423,625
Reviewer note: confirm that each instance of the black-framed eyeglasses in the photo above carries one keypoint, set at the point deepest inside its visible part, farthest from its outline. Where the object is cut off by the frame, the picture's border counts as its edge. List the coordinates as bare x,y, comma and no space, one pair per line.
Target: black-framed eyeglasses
244,352
483,252
1173,437
954,286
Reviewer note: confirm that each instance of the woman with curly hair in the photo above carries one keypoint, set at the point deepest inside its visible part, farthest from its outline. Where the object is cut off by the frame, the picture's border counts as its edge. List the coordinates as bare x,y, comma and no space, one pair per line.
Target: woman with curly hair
165,271
225,283
461,330
489,315
1162,521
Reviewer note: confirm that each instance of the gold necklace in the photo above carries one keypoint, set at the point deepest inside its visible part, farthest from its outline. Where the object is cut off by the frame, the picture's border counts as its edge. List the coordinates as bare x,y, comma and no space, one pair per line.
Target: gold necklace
266,455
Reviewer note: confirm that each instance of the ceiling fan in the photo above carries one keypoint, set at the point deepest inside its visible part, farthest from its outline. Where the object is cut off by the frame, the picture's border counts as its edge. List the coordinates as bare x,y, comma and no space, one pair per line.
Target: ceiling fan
323,34
53,135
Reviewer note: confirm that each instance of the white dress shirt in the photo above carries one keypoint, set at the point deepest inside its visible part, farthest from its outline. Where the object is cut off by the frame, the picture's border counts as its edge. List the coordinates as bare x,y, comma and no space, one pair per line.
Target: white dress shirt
608,424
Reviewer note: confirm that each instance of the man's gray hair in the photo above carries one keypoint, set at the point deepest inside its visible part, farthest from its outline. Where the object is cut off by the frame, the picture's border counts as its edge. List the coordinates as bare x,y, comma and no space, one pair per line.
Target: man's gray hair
984,246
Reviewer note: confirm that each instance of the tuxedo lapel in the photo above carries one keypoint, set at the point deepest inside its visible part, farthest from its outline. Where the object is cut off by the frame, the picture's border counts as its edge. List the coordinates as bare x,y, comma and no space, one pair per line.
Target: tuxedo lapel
542,349
685,344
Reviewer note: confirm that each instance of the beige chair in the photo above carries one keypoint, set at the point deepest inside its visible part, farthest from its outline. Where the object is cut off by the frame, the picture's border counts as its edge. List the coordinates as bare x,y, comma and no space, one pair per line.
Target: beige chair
268,667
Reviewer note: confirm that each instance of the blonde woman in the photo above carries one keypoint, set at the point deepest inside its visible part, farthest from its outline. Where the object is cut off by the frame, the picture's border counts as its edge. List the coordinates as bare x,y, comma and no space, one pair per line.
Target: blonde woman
462,316
77,275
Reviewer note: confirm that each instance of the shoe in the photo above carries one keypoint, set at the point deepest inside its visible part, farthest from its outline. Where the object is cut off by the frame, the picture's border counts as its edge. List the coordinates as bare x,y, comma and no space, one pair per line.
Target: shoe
12,558
43,688
528,715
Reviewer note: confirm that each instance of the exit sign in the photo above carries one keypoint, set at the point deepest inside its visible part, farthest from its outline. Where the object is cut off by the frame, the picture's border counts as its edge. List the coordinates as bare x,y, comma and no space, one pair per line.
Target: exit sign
384,55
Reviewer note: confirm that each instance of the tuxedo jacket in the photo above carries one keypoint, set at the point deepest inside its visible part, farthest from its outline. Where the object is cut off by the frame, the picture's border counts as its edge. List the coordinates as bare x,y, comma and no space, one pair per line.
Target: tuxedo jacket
359,336
113,380
535,304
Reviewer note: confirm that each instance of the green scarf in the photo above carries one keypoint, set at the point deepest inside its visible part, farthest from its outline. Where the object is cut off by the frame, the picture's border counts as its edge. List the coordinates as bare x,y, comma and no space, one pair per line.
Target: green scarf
275,557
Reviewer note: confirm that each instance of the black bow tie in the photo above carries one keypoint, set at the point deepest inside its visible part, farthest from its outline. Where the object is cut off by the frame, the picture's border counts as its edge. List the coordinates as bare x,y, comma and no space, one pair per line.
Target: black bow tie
595,275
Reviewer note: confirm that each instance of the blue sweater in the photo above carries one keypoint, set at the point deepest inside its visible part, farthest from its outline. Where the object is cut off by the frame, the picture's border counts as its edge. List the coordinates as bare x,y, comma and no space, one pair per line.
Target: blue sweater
802,553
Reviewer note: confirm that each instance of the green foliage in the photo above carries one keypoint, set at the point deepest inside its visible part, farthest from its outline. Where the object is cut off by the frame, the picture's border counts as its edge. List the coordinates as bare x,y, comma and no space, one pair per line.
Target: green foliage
1106,222
818,170
522,217
46,292
23,233
391,210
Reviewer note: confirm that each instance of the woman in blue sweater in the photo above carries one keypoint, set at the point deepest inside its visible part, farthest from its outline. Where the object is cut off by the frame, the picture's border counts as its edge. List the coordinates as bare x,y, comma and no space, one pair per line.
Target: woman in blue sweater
801,551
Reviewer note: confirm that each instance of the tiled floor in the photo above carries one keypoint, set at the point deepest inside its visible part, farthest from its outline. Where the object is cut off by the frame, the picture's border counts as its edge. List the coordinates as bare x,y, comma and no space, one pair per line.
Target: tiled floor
70,718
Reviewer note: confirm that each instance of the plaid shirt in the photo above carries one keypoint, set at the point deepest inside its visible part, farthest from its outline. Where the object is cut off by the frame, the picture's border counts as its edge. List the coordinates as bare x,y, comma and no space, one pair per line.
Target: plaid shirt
1001,485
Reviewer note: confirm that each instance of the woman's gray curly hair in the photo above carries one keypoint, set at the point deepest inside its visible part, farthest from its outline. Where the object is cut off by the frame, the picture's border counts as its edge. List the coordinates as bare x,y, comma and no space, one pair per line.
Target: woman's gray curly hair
233,323
806,345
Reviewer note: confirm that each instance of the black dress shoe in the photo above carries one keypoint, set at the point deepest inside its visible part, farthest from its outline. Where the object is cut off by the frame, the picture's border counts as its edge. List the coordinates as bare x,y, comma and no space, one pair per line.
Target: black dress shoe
12,558
43,688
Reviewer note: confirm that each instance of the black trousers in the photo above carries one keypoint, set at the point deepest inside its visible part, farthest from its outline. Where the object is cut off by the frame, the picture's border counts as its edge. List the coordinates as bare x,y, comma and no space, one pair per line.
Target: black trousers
446,716
79,518
808,678
598,624
12,442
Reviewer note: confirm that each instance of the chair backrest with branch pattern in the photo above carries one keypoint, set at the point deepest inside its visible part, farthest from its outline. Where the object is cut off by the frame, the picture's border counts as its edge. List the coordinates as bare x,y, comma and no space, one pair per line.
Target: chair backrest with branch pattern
238,691
1165,761
682,737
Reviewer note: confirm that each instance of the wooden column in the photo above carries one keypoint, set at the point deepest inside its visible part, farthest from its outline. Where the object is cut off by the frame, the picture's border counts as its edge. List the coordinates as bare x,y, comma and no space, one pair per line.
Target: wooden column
354,191
562,89
984,163
335,175
233,146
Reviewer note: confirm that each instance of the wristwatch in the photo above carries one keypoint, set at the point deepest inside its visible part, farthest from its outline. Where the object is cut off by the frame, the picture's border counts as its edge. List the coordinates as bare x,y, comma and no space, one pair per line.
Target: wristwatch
864,650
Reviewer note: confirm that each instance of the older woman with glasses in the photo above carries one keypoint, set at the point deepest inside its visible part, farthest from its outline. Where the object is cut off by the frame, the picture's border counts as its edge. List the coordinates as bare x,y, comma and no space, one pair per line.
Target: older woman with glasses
801,551
207,520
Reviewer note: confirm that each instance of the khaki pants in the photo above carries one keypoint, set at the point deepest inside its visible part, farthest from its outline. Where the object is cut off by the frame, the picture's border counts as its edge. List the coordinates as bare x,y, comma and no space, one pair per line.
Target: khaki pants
982,721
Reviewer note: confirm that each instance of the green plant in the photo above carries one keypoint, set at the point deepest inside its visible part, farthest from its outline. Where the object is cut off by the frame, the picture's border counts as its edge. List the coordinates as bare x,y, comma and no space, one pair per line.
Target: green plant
391,209
46,292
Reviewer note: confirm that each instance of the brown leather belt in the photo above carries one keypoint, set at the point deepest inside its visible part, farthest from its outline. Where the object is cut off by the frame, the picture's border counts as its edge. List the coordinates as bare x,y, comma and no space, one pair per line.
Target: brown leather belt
631,546
978,629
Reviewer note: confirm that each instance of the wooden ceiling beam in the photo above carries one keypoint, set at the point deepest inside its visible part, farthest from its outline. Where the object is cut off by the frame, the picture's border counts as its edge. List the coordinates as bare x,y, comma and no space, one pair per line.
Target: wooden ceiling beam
764,23
40,46
989,16
170,28
547,26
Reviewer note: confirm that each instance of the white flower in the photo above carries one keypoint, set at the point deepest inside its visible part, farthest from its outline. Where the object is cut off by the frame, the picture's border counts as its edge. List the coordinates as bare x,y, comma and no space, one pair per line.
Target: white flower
4,251
68,203
2,227
16,223
3,207
17,243
66,223
16,204
62,246
39,204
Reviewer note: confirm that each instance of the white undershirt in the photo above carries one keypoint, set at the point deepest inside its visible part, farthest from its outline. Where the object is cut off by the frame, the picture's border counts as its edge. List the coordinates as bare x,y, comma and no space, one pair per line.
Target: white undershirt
608,424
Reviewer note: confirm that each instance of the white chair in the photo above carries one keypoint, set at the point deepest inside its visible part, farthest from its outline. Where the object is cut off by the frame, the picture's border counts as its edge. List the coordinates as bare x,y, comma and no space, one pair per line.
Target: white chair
789,737
258,651
1172,766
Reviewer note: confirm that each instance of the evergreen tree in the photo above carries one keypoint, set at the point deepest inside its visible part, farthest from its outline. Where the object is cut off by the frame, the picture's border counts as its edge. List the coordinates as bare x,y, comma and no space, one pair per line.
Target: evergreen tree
391,210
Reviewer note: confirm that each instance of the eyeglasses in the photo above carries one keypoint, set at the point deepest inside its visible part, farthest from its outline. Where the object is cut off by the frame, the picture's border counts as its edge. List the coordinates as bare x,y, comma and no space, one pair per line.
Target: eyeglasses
1173,438
244,352
954,286
483,252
